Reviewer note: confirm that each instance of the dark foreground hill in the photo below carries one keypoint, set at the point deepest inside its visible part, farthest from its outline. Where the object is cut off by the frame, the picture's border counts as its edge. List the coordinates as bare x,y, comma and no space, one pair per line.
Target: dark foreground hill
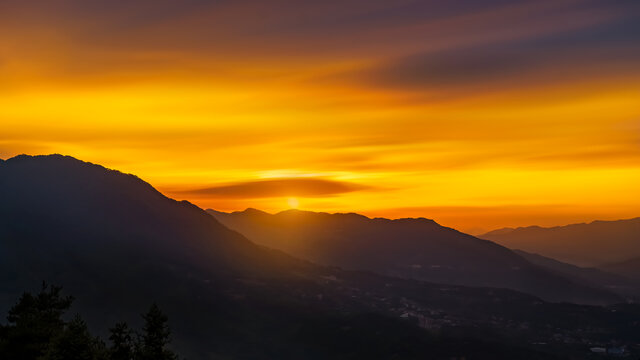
117,245
592,244
409,248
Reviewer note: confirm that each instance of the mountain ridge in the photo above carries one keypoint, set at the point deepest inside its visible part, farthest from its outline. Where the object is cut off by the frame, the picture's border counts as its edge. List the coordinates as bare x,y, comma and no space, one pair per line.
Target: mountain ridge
416,248
600,277
584,244
507,229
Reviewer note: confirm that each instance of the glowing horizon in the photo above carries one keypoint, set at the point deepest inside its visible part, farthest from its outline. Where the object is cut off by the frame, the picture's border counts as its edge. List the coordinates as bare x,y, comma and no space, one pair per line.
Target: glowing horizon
479,116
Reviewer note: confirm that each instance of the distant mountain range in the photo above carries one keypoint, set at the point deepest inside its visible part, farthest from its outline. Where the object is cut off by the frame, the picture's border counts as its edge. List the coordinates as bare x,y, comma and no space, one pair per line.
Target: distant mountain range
117,245
591,245
409,248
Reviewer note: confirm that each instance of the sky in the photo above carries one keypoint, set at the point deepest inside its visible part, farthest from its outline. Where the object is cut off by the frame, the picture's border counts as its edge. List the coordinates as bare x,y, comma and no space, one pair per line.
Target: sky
477,114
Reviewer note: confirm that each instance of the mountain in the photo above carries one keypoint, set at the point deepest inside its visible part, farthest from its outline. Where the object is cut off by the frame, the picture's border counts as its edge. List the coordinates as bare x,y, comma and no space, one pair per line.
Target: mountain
118,245
628,268
409,248
589,244
613,281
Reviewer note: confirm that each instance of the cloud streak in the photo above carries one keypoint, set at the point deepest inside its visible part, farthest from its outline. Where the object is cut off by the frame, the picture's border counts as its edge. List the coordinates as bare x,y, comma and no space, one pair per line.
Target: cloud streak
285,187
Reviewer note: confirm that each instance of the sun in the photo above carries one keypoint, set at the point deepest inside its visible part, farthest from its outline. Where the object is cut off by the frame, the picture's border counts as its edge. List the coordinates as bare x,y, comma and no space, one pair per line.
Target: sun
293,203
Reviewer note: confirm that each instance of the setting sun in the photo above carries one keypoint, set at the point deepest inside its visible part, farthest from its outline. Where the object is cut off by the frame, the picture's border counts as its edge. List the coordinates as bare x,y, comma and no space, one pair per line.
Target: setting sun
293,203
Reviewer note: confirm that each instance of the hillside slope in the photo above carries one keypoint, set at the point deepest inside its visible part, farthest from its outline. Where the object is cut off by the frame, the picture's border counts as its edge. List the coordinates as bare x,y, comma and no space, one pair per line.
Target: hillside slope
622,284
629,268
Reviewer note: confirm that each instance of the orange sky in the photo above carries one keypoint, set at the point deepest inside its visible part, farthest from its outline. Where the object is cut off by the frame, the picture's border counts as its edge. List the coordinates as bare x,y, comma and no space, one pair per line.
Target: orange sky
476,115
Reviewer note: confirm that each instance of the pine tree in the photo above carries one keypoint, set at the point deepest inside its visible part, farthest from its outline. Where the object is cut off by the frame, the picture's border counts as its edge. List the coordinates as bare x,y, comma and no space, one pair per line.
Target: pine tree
122,345
3,341
33,322
75,343
156,336
36,331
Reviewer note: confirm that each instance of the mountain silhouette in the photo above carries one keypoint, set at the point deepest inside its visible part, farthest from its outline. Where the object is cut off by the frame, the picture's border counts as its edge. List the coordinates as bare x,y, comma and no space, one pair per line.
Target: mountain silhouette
409,248
587,244
117,245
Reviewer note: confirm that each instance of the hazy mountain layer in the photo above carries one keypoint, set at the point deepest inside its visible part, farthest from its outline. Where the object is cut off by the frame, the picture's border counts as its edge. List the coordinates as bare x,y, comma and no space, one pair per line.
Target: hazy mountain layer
622,284
410,248
628,268
591,244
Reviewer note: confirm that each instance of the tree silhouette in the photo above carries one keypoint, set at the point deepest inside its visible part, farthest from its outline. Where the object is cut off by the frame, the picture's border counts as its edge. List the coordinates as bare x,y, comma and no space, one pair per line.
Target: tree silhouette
156,336
75,343
37,331
122,344
33,322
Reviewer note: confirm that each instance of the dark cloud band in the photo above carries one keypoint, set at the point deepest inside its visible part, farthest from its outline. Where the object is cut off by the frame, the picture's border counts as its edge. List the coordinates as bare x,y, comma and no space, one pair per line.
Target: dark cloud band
304,187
